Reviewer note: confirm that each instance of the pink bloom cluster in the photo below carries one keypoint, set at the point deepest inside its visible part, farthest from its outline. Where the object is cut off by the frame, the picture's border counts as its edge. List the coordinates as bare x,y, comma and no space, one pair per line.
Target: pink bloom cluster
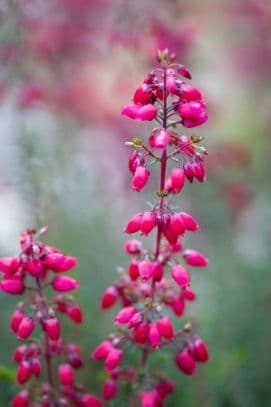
157,282
36,267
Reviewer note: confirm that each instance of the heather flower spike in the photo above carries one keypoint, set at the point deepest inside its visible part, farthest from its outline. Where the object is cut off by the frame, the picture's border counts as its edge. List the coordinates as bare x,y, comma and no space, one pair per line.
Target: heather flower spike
37,266
156,284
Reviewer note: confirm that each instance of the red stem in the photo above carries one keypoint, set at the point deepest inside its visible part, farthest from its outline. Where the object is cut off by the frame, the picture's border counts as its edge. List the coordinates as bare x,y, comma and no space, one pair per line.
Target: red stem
47,353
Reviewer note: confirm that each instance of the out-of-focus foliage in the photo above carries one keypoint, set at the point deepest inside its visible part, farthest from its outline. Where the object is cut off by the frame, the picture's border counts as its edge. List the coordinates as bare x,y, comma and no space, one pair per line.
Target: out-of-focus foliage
66,68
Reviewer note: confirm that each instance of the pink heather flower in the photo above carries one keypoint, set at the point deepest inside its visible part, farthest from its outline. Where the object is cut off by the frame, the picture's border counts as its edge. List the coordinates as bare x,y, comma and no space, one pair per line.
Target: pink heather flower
188,170
35,366
133,269
137,112
21,399
134,224
189,93
135,320
141,333
102,350
178,306
130,111
9,264
16,319
189,294
164,388
189,222
180,275
113,359
195,259
157,271
186,362
133,247
140,178
177,224
34,266
184,72
177,180
24,372
59,262
148,399
109,298
14,286
25,328
124,315
148,221
66,374
110,389
19,353
88,400
165,328
142,95
160,139
145,270
154,336
193,114
198,170
52,328
74,312
64,284
146,112
200,351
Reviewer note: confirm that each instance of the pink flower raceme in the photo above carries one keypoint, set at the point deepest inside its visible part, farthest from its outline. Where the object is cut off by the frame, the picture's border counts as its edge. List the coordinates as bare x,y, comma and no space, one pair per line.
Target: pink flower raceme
38,263
147,293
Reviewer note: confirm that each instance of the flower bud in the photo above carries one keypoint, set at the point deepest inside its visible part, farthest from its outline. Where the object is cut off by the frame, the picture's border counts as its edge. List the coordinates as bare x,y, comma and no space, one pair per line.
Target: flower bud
140,179
21,399
88,400
133,269
190,93
148,221
184,72
102,350
113,359
9,265
147,399
141,333
12,286
193,114
195,259
142,95
64,284
36,366
165,328
74,312
147,112
177,224
177,180
157,271
133,247
34,267
189,222
59,262
24,372
200,351
66,374
186,362
124,315
188,170
154,336
110,389
134,224
109,298
19,353
198,170
164,387
180,275
16,319
160,139
52,328
145,270
25,328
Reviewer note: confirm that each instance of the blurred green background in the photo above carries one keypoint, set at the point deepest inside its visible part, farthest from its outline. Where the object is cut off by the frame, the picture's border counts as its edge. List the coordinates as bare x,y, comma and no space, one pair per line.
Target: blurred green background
66,69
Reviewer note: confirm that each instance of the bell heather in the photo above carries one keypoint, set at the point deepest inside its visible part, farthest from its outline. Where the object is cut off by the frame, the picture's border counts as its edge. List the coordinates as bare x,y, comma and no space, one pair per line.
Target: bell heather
35,320
157,281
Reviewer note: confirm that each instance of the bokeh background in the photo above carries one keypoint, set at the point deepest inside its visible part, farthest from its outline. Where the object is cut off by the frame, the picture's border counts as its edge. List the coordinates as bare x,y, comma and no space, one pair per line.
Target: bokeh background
66,67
